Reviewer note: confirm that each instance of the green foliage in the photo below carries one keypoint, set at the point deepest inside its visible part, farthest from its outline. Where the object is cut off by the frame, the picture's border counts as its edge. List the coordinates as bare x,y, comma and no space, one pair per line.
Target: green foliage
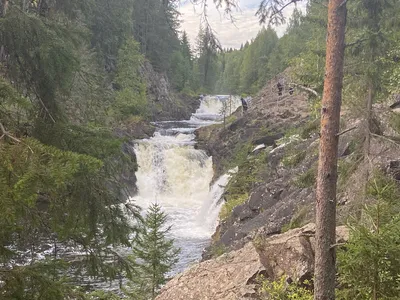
232,201
67,199
292,160
250,171
154,254
155,25
60,168
310,128
299,219
281,290
131,98
394,122
217,249
306,179
369,264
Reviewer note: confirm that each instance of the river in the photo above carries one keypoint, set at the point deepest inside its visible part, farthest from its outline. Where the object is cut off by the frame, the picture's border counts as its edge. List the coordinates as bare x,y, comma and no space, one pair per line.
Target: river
177,176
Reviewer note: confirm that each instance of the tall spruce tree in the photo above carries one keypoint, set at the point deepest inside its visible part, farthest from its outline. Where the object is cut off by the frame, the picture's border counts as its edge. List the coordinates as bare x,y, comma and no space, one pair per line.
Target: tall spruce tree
154,253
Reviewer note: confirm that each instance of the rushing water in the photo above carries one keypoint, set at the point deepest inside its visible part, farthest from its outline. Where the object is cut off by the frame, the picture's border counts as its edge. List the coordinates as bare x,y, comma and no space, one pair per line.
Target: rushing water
175,175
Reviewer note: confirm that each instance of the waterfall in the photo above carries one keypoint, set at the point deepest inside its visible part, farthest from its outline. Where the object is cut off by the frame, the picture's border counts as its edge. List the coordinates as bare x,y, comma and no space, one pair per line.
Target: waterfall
175,175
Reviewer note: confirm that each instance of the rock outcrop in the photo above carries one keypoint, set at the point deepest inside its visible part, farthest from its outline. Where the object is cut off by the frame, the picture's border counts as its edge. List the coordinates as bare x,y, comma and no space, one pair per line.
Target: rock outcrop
233,275
292,253
230,276
165,104
273,198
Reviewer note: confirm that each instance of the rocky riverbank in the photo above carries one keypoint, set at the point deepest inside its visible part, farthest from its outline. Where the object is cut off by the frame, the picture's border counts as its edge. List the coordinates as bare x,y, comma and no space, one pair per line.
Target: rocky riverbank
265,223
275,147
236,275
263,192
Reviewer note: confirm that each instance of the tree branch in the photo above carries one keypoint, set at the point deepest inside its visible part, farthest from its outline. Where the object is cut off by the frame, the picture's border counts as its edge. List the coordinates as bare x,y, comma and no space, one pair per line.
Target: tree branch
337,245
355,43
306,89
7,134
273,10
346,130
386,139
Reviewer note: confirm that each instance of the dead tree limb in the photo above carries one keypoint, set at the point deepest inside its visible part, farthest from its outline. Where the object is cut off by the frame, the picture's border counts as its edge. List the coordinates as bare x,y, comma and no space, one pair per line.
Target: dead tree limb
346,130
306,89
7,134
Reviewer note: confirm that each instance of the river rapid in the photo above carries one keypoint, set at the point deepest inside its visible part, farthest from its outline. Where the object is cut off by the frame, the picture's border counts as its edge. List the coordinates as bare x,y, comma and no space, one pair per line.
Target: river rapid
177,176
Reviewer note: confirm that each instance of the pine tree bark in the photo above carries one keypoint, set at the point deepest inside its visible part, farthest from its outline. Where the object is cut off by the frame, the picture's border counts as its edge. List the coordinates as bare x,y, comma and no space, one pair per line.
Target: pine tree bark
325,256
3,8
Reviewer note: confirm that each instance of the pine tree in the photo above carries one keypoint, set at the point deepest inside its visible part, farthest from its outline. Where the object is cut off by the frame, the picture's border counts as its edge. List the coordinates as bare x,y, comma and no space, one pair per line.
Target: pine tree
154,253
369,264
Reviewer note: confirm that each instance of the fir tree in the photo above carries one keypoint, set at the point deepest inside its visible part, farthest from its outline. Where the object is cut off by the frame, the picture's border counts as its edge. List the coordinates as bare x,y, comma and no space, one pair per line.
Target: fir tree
155,254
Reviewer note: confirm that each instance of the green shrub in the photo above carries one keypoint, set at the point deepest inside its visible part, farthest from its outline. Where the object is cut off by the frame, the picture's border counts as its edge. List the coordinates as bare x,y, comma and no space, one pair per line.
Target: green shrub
229,205
394,121
281,290
217,250
309,128
307,179
369,265
299,219
250,171
293,160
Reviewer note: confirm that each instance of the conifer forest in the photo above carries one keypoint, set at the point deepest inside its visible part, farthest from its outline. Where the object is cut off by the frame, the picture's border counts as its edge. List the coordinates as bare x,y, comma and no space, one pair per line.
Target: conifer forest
89,87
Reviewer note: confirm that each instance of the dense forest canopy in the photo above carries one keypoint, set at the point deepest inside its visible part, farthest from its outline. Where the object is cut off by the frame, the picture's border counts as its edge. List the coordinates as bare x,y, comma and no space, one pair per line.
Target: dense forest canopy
71,74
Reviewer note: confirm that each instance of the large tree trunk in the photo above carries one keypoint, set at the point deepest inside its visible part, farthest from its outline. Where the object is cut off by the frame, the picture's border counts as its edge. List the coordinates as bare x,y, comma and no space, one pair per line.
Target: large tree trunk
325,256
3,8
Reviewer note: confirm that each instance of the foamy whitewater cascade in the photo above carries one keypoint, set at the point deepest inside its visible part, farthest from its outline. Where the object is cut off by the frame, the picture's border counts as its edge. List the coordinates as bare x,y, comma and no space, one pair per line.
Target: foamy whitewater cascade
175,175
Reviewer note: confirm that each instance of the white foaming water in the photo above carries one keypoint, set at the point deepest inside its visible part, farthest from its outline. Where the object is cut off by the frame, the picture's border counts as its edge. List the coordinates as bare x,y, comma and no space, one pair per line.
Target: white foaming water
211,106
175,175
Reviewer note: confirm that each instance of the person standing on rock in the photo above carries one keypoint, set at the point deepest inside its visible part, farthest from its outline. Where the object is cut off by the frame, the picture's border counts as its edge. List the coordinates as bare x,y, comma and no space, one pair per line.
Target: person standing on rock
244,104
280,88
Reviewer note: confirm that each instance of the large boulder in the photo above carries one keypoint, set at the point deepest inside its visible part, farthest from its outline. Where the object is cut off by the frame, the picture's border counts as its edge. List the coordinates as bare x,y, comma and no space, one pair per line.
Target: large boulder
233,276
292,253
230,276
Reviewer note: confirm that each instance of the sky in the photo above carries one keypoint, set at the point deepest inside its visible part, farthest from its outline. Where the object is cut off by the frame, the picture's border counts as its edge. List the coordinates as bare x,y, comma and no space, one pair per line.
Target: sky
231,35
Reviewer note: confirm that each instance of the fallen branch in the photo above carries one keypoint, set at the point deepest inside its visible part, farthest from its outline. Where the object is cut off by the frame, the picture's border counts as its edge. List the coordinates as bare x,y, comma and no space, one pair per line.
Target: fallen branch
305,88
337,245
386,139
346,130
7,134
355,43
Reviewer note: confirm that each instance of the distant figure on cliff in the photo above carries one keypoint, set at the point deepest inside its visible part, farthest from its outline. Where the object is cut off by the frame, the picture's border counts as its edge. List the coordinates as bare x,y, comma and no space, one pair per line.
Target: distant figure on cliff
280,88
244,104
291,90
201,97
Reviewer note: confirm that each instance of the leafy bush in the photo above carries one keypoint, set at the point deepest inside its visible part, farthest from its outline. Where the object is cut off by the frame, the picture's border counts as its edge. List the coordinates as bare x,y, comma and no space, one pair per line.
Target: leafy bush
233,201
293,160
307,179
281,290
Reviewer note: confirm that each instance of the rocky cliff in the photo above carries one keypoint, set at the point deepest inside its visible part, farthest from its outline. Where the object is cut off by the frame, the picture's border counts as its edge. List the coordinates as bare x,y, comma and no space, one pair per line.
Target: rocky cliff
165,104
275,145
236,275
270,198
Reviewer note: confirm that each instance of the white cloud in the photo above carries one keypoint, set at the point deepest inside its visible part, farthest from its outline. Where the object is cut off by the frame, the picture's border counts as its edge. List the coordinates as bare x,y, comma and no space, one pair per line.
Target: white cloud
245,27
